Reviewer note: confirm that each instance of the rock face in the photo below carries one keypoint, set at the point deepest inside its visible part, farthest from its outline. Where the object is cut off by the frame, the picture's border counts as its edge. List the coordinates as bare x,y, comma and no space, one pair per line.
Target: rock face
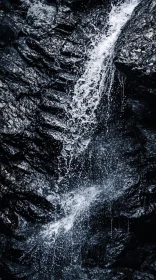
136,47
42,53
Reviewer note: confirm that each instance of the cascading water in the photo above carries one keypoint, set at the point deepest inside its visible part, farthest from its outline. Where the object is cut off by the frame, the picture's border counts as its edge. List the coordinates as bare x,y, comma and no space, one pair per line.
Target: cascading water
60,241
96,81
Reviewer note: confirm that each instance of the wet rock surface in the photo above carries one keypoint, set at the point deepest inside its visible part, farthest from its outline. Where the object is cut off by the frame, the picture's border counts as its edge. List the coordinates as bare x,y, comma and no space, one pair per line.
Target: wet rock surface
42,53
135,54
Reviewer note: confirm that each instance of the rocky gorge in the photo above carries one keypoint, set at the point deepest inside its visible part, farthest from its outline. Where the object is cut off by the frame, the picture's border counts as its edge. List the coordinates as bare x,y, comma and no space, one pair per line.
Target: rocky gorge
78,196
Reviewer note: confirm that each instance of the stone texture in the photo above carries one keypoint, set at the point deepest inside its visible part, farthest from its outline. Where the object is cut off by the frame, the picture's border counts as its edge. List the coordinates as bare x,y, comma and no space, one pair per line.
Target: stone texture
135,53
42,53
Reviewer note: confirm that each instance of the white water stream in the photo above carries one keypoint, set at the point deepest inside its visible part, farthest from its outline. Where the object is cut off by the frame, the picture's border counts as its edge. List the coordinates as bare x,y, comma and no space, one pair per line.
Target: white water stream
96,81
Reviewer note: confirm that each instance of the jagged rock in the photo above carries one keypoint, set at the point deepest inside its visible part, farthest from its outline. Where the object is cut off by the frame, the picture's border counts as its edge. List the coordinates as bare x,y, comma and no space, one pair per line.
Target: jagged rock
135,50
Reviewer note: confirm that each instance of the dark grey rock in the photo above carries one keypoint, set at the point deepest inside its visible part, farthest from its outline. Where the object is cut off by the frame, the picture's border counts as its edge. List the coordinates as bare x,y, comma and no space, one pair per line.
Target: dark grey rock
135,55
42,53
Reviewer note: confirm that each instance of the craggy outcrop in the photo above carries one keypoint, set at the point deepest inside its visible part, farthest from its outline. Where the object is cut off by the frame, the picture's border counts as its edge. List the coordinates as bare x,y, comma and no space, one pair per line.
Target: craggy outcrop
135,55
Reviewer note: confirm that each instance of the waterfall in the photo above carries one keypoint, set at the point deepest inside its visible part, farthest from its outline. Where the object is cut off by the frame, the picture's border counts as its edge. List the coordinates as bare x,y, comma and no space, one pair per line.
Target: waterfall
95,82
61,239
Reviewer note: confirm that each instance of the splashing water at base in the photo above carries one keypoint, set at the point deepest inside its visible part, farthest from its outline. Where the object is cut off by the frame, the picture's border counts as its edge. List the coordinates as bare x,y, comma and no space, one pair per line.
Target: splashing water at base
73,204
96,82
